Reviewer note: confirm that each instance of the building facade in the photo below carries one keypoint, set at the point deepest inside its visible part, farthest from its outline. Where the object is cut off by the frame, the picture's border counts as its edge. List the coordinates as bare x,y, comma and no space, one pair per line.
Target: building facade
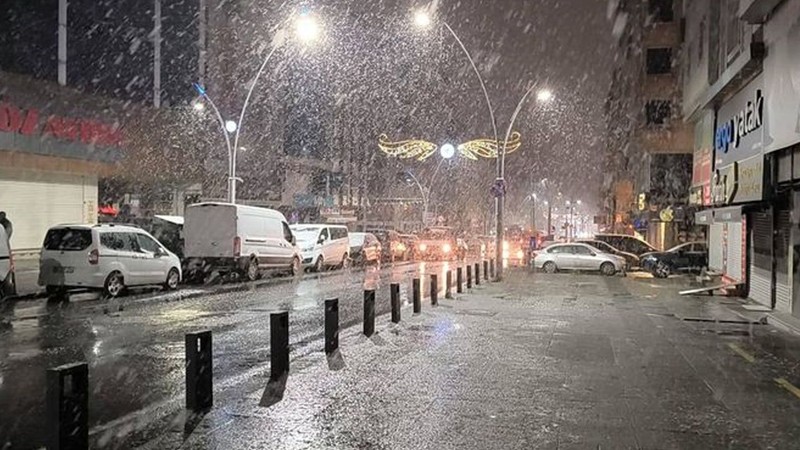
649,148
741,94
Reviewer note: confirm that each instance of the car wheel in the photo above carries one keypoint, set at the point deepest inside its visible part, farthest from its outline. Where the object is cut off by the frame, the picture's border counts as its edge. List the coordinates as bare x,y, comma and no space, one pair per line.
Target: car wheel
251,272
114,285
661,270
173,278
345,262
319,265
608,269
550,267
296,268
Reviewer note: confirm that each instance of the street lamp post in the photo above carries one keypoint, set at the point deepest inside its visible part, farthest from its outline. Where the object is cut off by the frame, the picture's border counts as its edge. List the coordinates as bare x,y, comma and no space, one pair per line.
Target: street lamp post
446,152
422,19
307,30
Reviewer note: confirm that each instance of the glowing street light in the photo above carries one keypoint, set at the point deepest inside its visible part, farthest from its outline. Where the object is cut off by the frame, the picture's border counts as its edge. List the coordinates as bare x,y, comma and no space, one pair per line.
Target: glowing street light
545,95
307,28
230,126
447,151
422,19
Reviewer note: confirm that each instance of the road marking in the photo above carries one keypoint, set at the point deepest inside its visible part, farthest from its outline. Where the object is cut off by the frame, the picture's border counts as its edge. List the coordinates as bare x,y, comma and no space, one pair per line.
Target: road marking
741,352
784,383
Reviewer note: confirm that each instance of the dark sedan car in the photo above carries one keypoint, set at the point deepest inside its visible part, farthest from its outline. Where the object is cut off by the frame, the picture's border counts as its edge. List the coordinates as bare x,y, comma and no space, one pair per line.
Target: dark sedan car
630,258
688,257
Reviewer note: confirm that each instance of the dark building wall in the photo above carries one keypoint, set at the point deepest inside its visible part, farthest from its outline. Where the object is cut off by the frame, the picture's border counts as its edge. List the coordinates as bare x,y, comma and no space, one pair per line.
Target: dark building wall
28,37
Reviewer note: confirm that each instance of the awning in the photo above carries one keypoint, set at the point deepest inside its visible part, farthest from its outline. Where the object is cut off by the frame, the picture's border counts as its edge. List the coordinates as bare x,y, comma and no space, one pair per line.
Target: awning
177,220
705,217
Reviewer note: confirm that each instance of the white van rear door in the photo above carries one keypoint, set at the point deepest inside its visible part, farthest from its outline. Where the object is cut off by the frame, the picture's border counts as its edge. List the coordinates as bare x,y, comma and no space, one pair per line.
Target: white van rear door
209,231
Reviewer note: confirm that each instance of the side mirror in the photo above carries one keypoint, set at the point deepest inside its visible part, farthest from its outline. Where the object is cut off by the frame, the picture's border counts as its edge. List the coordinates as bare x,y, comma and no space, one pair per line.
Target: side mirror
321,240
160,252
293,240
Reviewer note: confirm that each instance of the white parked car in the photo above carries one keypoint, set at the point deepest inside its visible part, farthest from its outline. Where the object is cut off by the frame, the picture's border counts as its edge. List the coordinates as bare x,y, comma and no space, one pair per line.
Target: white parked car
104,257
322,245
230,238
577,256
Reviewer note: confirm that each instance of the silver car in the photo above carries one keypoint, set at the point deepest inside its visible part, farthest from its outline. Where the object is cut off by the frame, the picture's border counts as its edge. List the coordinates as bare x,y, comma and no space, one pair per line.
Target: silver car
576,256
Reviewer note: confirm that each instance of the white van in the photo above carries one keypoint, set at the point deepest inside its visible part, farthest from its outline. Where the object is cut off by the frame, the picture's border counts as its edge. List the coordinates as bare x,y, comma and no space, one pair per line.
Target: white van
323,245
7,284
108,257
230,238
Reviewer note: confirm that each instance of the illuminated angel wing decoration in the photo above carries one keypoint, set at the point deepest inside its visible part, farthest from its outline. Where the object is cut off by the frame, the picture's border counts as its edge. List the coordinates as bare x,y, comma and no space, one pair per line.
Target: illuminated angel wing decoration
415,148
486,148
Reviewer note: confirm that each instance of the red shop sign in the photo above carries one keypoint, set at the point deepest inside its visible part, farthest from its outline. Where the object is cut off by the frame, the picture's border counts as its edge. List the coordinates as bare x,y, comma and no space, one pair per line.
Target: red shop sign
27,122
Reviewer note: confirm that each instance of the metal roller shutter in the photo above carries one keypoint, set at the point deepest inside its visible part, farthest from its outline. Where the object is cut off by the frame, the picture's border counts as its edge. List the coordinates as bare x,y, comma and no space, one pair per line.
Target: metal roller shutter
733,257
35,201
761,259
715,244
783,280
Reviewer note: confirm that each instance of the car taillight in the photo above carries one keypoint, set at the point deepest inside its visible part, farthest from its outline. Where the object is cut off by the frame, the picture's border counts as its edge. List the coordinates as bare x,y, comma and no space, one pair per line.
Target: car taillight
94,257
237,246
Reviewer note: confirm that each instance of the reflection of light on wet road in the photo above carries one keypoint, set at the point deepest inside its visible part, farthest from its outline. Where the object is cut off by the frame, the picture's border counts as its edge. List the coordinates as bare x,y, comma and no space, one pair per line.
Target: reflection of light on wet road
443,328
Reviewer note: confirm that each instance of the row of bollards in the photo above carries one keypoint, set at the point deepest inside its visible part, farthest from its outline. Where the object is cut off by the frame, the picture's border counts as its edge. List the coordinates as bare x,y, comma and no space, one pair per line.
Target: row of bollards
67,394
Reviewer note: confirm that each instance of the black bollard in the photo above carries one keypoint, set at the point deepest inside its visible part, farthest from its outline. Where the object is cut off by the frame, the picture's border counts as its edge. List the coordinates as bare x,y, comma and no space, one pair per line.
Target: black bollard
369,312
491,267
469,276
394,290
68,407
199,375
279,345
486,270
415,289
477,274
331,325
448,284
434,289
459,280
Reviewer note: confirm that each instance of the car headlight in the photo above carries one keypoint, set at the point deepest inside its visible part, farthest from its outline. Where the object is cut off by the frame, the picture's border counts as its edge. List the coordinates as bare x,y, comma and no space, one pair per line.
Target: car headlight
423,247
446,248
520,254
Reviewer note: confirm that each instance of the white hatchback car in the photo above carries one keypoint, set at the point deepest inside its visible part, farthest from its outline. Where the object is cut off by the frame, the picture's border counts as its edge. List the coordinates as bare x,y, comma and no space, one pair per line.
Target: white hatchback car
577,256
105,257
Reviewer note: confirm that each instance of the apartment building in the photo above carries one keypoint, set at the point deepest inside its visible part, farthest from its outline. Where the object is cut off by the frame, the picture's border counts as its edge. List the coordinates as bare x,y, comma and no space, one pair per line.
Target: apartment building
649,150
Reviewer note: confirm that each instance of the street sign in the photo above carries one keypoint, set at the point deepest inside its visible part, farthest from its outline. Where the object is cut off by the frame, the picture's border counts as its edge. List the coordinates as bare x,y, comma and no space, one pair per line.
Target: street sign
499,188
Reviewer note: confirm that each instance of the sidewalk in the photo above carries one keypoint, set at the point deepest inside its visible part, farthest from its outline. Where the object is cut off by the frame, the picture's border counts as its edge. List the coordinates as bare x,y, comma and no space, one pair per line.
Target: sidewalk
563,361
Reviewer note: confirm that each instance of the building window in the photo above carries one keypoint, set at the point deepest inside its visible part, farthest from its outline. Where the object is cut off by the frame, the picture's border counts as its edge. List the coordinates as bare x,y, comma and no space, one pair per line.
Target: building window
659,60
658,112
661,10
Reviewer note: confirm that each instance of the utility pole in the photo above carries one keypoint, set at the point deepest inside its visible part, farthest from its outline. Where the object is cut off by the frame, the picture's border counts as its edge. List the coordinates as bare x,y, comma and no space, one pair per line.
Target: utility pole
549,218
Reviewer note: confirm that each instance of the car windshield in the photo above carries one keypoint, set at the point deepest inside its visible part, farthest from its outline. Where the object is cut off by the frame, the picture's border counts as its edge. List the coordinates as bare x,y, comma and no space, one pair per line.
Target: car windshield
435,234
306,234
679,247
357,239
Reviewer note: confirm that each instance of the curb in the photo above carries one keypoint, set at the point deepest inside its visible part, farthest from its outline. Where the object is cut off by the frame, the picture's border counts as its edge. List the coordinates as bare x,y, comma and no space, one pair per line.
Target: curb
784,322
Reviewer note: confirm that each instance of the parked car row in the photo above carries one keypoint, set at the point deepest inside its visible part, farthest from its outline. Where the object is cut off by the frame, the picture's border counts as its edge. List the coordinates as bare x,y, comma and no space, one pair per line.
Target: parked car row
612,253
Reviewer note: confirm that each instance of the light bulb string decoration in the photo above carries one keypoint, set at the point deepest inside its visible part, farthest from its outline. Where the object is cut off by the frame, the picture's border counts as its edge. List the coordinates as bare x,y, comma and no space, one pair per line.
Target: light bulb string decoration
421,150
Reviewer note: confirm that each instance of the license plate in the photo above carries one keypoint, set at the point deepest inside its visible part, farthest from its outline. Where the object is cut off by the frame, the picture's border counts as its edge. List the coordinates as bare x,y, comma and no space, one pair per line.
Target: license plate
62,269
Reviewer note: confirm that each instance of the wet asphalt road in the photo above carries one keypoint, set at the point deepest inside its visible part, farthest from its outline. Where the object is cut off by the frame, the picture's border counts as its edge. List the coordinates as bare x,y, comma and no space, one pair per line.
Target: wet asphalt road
136,353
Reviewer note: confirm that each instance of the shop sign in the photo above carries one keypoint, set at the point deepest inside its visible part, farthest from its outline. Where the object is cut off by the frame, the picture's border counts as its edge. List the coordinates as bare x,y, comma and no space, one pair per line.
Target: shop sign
742,181
740,125
749,119
667,214
700,193
29,122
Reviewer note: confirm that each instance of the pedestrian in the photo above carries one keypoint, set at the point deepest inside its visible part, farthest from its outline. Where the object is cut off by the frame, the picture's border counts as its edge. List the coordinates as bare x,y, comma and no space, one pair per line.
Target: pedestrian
6,224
